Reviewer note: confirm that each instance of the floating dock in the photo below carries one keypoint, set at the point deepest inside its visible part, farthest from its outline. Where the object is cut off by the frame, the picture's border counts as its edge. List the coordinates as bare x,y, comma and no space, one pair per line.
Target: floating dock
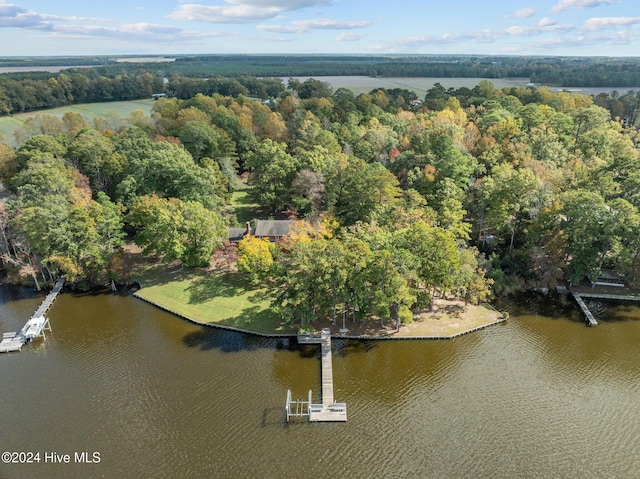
35,327
328,410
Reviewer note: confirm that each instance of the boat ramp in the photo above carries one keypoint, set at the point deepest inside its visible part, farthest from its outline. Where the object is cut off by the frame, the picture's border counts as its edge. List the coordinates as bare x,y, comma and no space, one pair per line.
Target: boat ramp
35,327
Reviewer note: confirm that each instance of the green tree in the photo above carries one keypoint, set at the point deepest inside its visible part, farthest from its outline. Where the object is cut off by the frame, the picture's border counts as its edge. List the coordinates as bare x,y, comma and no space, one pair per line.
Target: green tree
272,172
585,216
313,88
167,170
176,230
93,154
507,196
356,190
436,255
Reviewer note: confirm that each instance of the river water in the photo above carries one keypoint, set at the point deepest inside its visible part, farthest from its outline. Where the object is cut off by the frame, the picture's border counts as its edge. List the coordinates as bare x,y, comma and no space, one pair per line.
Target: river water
540,396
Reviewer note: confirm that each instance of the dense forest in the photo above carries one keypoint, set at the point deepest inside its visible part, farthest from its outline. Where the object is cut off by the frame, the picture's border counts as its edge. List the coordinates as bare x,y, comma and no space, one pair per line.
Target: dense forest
474,192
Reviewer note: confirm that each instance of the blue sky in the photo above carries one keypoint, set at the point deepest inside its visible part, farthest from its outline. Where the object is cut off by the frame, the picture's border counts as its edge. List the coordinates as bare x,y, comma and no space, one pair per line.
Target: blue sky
496,27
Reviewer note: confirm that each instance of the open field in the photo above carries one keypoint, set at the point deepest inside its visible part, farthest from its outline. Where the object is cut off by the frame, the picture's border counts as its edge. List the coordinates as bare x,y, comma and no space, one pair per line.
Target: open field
364,84
46,68
157,59
110,110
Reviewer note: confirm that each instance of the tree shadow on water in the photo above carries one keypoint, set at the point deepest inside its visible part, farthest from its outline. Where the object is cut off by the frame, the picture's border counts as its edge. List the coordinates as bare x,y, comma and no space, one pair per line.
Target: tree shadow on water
207,339
344,347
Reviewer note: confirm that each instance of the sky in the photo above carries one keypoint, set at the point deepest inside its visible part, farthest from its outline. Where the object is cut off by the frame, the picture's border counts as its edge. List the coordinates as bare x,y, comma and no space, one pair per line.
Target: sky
155,27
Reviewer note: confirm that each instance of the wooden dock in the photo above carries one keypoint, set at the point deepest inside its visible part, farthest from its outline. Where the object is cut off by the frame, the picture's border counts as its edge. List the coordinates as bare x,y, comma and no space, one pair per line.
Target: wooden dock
612,297
328,410
590,319
35,326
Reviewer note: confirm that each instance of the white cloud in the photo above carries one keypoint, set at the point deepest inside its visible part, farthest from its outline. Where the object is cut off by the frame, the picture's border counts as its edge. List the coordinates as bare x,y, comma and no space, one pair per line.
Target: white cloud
542,27
482,36
226,14
240,11
485,36
55,26
523,13
14,16
580,4
350,37
546,22
284,5
603,23
301,26
616,38
141,32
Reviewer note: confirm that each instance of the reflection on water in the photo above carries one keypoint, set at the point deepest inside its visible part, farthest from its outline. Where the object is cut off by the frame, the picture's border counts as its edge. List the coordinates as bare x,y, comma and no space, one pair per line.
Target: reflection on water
540,396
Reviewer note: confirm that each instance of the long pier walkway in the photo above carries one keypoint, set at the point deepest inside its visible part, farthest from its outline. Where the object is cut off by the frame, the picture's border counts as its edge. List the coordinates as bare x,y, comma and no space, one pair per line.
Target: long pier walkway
615,297
329,410
612,297
590,319
36,325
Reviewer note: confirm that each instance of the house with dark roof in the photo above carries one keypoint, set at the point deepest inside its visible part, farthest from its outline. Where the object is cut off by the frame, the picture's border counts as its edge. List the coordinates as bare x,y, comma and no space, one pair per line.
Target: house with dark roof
273,230
236,234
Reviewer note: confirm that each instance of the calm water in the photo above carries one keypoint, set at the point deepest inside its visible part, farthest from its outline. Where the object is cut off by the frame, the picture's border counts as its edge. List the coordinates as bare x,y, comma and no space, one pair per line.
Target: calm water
540,396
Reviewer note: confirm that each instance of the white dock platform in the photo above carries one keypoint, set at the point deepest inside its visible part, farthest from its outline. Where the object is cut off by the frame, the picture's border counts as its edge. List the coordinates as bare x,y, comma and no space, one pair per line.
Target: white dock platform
35,327
10,343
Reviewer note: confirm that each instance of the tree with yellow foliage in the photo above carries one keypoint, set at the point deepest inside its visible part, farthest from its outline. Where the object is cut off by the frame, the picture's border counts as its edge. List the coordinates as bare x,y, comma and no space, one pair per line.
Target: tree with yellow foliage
255,257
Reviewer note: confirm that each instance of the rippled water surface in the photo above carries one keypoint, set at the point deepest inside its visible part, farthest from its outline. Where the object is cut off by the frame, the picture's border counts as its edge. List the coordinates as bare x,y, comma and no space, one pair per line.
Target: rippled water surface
539,396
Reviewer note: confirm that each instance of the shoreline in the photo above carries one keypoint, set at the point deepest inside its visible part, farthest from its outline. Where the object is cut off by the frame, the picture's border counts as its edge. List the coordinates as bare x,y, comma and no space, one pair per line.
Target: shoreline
383,334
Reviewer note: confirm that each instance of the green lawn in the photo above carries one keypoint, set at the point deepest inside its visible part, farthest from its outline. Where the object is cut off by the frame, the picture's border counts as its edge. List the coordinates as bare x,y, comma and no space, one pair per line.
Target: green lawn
244,206
111,109
226,299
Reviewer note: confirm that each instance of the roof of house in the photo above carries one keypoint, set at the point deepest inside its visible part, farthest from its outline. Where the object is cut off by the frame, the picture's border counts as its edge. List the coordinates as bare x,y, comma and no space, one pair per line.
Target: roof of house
273,227
236,234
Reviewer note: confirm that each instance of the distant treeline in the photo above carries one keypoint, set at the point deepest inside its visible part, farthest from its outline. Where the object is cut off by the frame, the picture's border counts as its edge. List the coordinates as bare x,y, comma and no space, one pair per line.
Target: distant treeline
53,61
256,76
24,92
555,71
552,71
54,90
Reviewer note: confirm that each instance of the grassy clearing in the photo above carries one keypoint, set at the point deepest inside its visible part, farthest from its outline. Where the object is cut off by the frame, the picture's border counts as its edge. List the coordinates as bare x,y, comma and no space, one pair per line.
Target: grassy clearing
112,110
364,84
224,299
245,207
